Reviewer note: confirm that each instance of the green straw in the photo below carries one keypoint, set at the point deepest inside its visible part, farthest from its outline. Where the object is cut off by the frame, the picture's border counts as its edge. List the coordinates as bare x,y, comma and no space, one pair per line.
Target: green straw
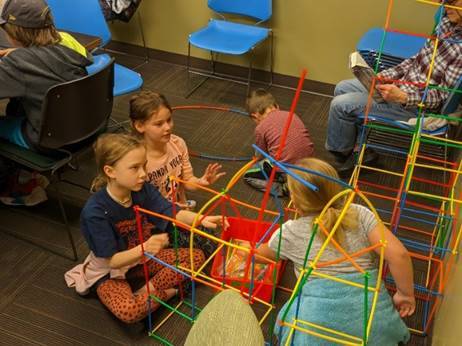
366,301
171,308
389,129
162,340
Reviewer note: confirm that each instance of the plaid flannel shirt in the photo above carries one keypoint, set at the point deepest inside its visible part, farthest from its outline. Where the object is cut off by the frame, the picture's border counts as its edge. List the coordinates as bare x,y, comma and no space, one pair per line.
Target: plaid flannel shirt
446,72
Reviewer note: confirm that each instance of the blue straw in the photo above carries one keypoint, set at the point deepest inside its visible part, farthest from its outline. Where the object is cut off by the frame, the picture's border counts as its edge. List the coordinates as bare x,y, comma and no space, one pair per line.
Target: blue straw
281,167
328,177
167,265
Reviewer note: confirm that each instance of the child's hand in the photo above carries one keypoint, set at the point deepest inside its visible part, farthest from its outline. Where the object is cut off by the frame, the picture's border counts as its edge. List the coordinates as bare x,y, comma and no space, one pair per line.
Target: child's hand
211,175
215,221
156,243
243,243
5,52
404,304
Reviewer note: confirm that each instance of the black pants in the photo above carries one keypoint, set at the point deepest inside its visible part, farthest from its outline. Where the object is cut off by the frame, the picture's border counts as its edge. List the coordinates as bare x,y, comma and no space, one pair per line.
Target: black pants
7,168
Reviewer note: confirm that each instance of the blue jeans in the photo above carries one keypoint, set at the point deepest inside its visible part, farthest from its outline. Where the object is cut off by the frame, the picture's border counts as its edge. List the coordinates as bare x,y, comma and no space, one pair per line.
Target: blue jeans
349,102
10,129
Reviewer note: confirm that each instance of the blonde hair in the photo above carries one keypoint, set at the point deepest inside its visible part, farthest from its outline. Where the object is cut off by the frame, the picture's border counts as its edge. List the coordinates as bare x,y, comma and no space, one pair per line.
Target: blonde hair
308,201
144,104
259,100
110,148
30,37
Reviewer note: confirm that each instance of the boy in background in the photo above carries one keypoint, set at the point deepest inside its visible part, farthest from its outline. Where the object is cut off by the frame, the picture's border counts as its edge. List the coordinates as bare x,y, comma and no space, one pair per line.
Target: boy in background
271,121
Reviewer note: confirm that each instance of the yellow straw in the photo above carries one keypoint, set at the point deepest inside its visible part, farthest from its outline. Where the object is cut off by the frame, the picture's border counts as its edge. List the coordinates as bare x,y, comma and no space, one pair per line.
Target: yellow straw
343,281
382,171
322,336
428,195
337,223
161,323
310,324
457,171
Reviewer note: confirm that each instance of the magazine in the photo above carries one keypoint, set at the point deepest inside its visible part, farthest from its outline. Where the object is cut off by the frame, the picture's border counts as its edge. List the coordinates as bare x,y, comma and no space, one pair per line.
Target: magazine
364,73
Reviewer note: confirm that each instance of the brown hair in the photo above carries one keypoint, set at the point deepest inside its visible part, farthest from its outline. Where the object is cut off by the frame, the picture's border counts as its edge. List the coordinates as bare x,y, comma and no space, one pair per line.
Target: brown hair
308,201
110,148
259,100
30,37
145,103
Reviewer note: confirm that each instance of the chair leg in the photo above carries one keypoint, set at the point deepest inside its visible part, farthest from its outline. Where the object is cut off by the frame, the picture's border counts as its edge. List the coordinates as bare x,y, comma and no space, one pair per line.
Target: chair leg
65,219
146,51
249,76
188,62
188,68
191,90
66,224
212,62
271,58
115,125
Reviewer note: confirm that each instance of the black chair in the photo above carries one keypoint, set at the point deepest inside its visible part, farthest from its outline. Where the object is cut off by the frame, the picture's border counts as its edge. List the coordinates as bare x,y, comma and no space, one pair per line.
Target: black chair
74,113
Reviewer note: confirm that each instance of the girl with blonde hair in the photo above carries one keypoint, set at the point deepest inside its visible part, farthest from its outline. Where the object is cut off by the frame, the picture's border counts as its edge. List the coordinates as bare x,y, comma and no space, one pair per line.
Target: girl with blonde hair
324,301
113,268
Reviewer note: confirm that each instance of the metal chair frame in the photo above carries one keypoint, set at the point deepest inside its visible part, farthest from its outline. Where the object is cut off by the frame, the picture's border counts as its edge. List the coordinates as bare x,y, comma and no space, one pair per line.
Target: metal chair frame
74,148
221,76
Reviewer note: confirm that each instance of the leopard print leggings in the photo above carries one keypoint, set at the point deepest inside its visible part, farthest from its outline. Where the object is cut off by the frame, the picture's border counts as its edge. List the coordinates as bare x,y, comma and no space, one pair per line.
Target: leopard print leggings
118,296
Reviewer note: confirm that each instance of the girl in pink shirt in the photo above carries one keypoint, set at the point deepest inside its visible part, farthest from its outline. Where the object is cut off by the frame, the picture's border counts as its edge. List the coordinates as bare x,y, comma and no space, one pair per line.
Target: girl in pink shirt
151,117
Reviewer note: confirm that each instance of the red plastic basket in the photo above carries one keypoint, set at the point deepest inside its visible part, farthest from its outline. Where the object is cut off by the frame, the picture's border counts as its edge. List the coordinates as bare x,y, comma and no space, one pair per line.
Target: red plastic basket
250,230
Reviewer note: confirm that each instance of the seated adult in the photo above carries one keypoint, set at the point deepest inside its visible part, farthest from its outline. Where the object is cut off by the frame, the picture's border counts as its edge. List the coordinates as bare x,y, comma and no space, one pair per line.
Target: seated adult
39,58
402,99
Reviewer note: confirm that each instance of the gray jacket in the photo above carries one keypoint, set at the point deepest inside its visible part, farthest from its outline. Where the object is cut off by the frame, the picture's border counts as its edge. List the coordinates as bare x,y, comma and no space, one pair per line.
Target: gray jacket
26,74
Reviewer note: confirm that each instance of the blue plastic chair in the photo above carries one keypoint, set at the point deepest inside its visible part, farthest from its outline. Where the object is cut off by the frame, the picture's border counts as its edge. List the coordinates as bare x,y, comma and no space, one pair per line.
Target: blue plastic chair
86,17
396,47
82,16
228,37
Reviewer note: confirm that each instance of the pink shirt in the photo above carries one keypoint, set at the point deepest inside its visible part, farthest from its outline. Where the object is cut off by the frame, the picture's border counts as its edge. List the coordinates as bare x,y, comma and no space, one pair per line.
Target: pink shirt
268,137
175,163
83,276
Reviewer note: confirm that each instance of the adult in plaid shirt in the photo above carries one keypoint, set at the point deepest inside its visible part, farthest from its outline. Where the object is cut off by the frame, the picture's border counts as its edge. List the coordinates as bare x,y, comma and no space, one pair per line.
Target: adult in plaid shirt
350,97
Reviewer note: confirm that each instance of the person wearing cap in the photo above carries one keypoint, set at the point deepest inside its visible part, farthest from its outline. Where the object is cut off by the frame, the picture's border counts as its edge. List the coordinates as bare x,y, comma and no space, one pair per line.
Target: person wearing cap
40,58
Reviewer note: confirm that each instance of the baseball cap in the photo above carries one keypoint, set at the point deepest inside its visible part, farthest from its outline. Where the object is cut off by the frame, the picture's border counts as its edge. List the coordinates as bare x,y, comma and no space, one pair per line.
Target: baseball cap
32,14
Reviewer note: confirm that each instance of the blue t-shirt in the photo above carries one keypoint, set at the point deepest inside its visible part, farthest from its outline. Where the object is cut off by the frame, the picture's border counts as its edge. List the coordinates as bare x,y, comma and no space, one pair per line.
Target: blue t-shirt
108,227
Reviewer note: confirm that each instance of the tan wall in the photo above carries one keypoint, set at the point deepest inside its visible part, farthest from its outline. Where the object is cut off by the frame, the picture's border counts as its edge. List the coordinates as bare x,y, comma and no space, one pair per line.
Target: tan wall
448,322
317,35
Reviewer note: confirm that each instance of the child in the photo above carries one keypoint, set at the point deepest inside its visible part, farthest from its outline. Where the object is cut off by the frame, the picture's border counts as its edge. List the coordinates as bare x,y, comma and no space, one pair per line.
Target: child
38,59
271,122
113,268
151,117
323,301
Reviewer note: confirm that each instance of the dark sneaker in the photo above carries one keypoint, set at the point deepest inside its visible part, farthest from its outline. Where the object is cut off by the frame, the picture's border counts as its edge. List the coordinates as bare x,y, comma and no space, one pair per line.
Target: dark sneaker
279,177
25,188
339,157
346,168
278,189
35,196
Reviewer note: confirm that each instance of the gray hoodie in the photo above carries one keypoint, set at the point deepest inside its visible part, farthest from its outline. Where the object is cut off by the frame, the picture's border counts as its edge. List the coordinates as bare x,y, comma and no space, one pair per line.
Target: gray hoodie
26,74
